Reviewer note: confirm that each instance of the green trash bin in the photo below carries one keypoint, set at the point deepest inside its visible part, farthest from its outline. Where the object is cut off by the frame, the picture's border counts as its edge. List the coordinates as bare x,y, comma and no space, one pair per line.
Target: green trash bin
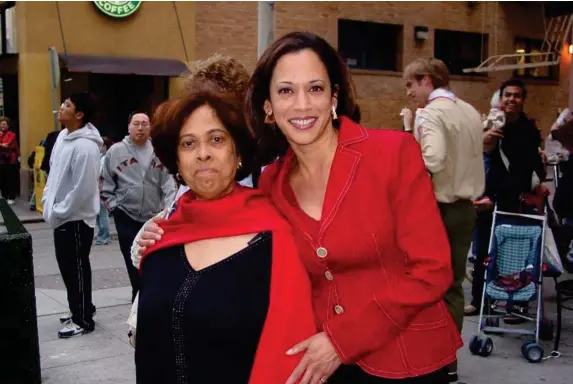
19,346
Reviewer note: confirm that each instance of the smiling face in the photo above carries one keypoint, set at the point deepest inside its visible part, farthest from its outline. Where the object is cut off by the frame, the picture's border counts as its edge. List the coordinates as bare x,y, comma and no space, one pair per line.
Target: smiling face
419,91
301,100
512,99
206,155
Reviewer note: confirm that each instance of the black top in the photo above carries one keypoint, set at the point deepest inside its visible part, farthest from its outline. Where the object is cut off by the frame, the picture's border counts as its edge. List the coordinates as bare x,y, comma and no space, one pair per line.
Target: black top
202,326
563,200
520,145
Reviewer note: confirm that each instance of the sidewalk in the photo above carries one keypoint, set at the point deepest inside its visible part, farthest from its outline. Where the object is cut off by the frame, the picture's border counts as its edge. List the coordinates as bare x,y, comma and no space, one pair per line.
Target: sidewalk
105,356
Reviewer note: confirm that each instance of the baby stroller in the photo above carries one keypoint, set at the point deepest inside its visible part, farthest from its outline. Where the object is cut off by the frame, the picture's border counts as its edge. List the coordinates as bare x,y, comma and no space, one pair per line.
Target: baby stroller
513,275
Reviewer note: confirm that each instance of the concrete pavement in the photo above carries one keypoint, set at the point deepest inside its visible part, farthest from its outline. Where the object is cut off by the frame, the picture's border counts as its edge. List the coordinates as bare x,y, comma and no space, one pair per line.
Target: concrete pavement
105,356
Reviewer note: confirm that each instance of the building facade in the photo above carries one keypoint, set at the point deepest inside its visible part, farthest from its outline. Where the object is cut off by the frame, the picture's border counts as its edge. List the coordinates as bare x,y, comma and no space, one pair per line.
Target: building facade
134,62
385,32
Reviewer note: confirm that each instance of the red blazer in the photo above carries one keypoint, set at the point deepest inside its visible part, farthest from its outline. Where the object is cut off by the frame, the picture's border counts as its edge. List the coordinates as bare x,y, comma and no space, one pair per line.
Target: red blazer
379,259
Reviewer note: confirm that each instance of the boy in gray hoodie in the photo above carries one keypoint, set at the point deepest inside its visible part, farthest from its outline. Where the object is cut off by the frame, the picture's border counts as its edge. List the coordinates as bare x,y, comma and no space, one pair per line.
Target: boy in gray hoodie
71,204
135,186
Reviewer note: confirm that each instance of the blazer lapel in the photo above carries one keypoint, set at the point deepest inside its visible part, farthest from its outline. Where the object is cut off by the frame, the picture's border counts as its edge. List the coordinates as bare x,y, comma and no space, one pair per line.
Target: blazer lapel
342,171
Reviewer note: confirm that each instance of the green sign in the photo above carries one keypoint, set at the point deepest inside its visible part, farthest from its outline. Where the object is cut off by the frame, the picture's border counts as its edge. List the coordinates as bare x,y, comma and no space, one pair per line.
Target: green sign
118,9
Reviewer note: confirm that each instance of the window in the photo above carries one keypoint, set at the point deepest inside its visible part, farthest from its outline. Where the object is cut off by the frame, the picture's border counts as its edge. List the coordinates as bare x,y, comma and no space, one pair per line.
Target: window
8,27
524,46
368,45
460,50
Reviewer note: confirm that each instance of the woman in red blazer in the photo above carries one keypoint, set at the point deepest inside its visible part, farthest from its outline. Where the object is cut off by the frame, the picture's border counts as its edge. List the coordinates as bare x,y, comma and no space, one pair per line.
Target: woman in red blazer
366,222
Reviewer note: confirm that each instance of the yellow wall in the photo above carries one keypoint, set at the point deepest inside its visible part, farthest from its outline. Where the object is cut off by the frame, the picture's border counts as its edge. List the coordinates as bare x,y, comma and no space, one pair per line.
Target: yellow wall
151,32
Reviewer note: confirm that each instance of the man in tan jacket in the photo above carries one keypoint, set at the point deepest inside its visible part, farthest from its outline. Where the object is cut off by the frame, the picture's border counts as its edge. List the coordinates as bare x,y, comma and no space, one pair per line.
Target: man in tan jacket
450,134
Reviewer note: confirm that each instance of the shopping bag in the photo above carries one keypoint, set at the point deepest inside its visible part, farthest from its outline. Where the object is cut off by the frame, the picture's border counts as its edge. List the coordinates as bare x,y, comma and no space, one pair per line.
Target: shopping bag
550,253
132,321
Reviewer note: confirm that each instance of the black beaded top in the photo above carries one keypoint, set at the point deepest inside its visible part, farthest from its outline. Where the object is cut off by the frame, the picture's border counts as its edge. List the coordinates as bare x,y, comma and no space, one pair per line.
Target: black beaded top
202,326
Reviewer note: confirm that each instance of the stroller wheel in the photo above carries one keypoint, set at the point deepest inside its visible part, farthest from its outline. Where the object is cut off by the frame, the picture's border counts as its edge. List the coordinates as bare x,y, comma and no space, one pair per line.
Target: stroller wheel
475,345
486,347
546,330
532,351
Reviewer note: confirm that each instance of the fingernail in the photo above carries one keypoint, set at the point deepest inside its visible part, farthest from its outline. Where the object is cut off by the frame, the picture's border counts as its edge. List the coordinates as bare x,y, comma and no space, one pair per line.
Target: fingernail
290,351
151,242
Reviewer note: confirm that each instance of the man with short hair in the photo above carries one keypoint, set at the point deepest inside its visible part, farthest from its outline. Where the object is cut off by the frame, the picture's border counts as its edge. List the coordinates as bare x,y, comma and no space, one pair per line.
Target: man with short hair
450,133
135,186
516,165
71,204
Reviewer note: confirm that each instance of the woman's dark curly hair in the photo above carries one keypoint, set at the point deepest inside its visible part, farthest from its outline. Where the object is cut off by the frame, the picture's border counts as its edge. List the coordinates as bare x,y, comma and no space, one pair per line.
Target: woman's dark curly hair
272,142
169,118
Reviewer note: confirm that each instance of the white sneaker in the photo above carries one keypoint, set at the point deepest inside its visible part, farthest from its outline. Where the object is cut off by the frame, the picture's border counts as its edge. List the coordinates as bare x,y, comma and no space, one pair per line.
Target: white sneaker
68,316
65,318
72,329
10,202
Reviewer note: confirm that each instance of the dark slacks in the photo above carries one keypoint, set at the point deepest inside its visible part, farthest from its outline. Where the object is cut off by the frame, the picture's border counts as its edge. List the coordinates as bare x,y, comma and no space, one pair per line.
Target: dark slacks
9,181
127,229
73,242
353,374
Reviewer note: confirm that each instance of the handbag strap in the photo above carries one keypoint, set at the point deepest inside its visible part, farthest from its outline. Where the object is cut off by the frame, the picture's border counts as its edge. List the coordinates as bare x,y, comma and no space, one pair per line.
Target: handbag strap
503,157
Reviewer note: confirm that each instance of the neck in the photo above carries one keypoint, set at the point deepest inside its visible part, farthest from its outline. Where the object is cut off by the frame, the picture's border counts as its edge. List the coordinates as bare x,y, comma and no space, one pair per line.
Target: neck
140,143
316,157
73,126
512,117
226,192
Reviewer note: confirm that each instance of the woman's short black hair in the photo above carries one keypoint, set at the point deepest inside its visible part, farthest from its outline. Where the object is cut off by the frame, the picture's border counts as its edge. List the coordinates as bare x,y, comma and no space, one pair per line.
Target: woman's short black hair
271,141
169,118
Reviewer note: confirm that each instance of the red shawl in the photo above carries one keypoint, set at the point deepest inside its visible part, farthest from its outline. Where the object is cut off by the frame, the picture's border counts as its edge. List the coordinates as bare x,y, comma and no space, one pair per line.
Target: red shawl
290,318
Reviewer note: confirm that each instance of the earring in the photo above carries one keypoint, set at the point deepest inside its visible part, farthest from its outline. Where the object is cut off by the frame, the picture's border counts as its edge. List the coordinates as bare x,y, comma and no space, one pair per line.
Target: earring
334,115
269,119
239,164
178,177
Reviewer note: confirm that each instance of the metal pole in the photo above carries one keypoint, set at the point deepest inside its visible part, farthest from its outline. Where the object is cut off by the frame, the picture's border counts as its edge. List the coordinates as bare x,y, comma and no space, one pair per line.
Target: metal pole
571,76
55,80
266,25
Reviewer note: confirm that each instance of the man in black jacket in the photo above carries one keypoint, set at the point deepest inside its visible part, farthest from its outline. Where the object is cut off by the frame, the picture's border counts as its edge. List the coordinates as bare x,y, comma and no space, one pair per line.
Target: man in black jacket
515,160
515,165
50,141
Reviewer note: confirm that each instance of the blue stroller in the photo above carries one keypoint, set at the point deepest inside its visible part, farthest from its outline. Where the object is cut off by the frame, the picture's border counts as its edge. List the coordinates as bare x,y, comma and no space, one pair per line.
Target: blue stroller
513,276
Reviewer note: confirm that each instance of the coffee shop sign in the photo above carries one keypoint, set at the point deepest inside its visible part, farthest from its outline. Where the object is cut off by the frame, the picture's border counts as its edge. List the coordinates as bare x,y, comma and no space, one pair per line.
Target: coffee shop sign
118,9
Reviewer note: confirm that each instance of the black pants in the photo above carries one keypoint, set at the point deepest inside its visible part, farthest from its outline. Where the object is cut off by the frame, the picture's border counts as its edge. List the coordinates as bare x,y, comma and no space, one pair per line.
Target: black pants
73,242
9,183
353,374
483,226
127,229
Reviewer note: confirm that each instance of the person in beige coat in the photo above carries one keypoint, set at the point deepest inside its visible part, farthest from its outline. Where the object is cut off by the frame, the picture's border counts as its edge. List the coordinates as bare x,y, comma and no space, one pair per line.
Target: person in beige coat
450,133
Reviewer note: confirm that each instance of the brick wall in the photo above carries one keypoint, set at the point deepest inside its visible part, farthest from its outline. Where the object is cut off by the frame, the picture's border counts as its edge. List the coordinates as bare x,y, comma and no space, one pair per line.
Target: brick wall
228,28
231,28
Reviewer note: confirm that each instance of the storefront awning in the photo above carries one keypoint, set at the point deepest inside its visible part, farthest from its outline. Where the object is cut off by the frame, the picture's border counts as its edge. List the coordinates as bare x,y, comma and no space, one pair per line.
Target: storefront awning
122,65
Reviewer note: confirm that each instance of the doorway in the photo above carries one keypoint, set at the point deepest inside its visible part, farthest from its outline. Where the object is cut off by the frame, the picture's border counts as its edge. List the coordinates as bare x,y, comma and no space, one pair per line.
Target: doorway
120,95
117,96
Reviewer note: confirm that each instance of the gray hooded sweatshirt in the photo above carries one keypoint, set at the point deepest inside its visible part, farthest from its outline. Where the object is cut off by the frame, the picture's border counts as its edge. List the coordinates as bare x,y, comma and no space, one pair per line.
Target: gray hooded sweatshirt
140,190
71,191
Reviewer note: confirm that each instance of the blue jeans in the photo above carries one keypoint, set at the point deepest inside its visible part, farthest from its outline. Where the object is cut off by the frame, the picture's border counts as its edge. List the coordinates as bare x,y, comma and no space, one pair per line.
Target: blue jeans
102,221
